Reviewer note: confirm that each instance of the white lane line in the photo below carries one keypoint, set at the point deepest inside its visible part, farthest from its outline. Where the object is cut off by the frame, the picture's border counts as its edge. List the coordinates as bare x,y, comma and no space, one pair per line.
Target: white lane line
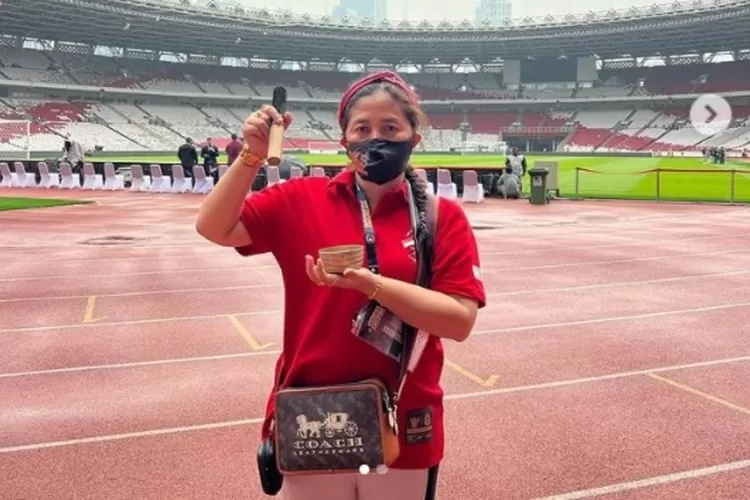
614,284
168,291
450,397
542,326
132,435
651,481
611,319
598,378
249,267
163,291
138,364
151,321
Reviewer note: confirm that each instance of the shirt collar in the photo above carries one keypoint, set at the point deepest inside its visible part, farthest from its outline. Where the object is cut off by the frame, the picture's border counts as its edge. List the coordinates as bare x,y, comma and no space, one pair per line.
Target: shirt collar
345,181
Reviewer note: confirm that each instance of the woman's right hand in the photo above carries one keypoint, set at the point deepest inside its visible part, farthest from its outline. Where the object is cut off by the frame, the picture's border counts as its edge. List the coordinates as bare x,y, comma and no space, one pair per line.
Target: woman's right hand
256,128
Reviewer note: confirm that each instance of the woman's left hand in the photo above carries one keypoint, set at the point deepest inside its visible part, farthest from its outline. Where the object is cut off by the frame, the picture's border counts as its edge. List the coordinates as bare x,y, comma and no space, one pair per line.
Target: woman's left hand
361,279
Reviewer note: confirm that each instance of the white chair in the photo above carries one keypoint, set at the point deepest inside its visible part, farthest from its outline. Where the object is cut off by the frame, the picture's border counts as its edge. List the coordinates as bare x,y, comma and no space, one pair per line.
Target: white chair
272,174
47,179
446,188
223,170
317,172
67,179
180,183
203,183
422,173
159,182
295,173
473,189
113,180
24,179
9,179
92,180
138,181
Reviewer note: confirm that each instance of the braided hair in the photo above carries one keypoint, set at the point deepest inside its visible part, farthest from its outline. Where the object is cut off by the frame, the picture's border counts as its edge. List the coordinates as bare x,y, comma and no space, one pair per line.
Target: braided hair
415,116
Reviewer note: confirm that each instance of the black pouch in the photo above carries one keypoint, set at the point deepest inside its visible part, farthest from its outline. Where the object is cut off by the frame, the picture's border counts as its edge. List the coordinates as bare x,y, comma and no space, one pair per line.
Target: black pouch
271,479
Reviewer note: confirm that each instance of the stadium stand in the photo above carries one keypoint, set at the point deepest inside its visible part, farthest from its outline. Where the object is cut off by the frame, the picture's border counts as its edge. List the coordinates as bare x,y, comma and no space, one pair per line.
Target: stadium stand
185,100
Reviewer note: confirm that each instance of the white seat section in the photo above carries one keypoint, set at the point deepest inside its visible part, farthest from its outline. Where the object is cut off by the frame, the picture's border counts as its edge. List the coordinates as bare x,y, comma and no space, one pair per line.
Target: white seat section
24,179
203,184
138,181
272,174
223,170
9,179
159,182
47,179
422,173
446,187
113,180
317,172
180,183
67,179
473,189
295,173
92,180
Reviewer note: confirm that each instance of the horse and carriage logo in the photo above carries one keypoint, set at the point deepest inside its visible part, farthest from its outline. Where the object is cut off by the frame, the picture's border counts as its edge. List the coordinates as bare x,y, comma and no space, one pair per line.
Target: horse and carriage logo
332,425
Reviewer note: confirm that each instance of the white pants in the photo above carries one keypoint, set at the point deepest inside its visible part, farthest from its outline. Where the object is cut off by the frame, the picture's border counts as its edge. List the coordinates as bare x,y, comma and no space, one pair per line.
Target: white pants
396,484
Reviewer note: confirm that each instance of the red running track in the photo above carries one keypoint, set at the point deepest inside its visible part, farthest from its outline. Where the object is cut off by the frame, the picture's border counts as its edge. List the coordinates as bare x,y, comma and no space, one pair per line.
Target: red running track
611,363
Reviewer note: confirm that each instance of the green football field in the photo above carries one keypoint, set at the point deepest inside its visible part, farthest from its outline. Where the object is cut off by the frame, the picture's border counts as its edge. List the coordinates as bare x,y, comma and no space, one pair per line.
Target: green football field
615,177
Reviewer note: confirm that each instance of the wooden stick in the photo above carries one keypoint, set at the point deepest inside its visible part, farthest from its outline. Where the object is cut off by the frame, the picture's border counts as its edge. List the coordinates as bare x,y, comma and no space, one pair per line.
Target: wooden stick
276,132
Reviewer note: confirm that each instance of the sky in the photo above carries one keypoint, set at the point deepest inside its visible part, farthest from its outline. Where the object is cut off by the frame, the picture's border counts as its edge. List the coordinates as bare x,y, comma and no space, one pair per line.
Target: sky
452,10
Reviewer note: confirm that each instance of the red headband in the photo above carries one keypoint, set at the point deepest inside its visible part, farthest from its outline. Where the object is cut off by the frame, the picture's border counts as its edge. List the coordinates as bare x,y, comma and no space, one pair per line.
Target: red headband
380,76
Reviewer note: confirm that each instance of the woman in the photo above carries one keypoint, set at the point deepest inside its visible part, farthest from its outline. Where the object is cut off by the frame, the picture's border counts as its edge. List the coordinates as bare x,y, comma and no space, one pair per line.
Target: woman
379,118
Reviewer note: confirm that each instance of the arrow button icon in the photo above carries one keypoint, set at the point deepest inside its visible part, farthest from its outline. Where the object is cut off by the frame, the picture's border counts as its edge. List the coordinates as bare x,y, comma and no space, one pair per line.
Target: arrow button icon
710,114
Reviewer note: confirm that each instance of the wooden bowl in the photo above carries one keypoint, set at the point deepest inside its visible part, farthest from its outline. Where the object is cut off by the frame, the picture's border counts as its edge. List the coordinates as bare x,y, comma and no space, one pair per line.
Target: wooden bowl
339,258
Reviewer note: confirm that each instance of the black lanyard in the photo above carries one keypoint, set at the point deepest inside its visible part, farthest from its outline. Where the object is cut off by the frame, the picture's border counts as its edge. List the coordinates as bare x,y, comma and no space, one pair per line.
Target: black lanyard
372,257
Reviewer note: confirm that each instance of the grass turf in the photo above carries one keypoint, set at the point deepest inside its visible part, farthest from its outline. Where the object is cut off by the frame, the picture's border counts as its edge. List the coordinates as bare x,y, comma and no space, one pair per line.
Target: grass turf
617,177
7,203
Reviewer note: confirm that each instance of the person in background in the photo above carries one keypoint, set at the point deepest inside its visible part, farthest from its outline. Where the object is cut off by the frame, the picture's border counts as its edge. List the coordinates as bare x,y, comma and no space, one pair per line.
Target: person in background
73,154
188,156
511,182
233,151
210,155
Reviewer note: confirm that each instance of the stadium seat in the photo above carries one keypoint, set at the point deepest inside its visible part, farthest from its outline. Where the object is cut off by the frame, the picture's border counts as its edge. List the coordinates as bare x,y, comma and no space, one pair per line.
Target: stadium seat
203,184
422,173
296,172
473,189
223,170
92,180
317,172
180,183
112,180
159,182
23,178
67,179
446,188
9,179
47,180
138,181
272,174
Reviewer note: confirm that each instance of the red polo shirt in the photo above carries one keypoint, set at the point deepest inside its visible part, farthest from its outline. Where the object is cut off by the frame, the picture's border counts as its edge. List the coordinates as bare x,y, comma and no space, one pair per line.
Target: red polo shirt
302,215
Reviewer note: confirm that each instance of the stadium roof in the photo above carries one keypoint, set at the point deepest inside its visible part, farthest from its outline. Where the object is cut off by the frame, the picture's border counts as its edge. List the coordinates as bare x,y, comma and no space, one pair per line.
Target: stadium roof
177,26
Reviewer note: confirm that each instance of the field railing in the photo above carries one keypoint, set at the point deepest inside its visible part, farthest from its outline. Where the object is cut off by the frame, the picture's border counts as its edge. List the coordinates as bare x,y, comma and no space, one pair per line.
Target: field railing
730,185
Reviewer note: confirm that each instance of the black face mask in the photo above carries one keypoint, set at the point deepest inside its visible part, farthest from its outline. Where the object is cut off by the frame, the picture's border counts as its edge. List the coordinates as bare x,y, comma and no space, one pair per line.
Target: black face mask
383,160
68,144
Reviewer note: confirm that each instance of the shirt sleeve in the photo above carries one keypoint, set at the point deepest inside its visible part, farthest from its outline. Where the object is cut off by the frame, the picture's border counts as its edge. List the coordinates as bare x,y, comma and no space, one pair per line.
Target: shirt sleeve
456,269
263,215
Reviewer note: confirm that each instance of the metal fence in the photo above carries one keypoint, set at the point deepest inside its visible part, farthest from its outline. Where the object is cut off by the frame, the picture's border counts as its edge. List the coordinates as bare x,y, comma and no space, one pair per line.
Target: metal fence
665,184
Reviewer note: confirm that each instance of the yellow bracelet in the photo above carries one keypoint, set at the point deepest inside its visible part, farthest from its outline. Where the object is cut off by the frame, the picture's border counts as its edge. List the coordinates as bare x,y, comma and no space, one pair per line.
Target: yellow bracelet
378,286
249,159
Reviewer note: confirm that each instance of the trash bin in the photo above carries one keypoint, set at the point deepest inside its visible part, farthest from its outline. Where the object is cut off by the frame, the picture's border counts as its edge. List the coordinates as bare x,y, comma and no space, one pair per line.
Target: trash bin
538,195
